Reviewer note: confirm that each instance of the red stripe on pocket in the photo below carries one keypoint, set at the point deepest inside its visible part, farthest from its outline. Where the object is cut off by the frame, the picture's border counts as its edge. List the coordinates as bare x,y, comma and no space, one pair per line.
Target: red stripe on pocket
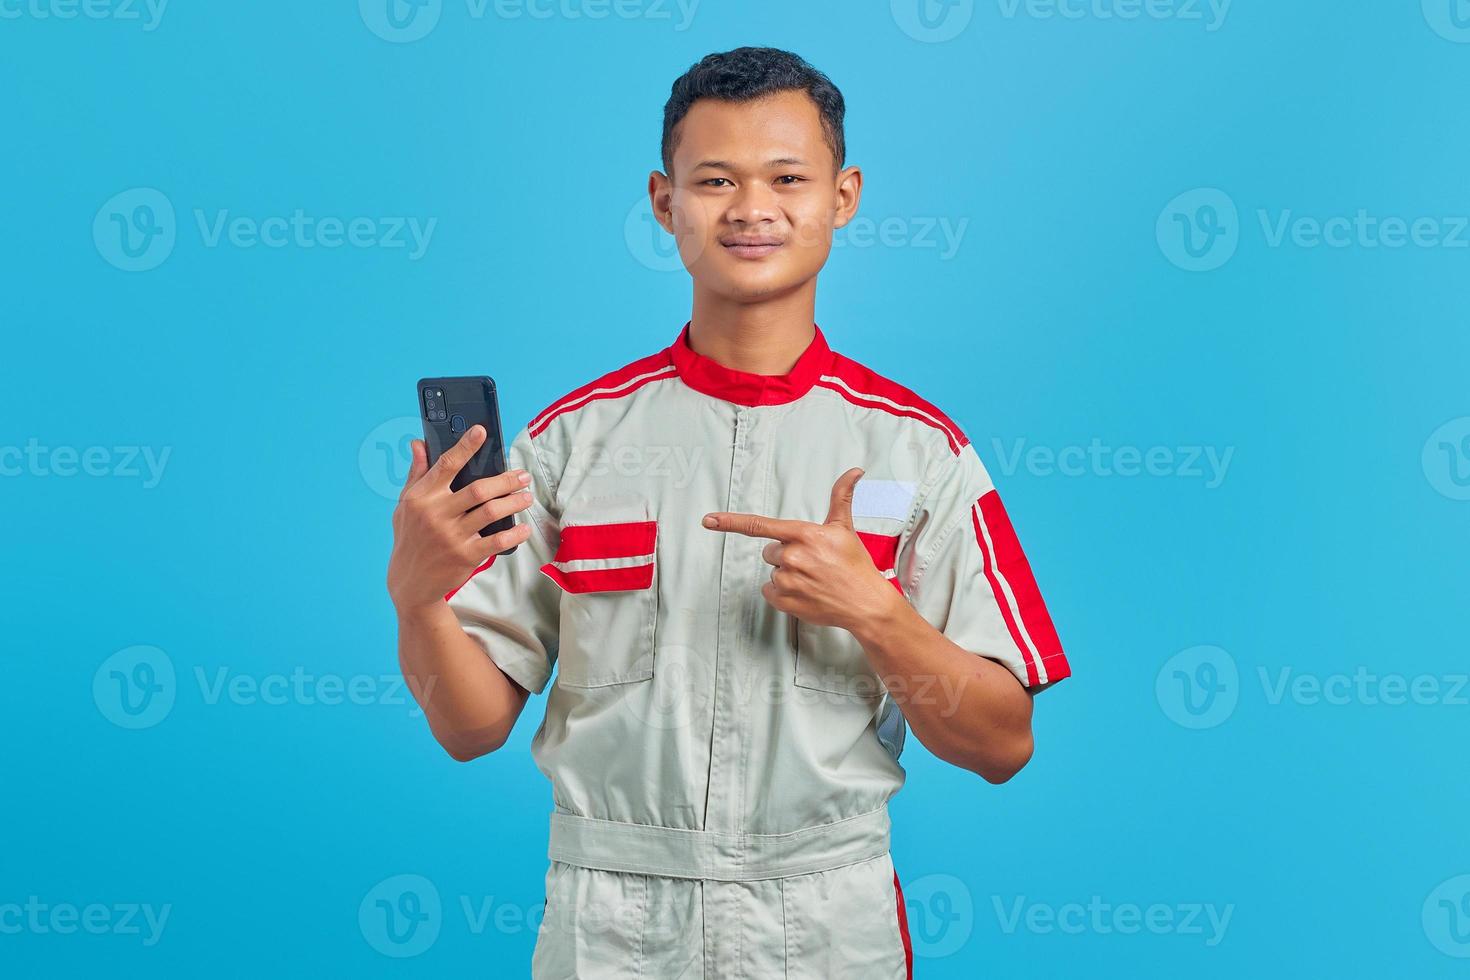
622,540
882,547
601,579
884,551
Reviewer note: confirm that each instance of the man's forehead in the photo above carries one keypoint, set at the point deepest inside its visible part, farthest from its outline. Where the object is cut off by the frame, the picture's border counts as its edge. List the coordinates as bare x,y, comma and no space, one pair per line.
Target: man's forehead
784,126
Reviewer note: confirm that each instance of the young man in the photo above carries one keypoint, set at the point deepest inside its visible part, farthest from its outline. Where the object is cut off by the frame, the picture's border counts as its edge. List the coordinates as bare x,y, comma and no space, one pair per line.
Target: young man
754,561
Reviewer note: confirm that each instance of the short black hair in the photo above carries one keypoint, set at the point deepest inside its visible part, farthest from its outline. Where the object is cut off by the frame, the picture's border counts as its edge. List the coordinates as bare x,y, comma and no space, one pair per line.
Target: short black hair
746,74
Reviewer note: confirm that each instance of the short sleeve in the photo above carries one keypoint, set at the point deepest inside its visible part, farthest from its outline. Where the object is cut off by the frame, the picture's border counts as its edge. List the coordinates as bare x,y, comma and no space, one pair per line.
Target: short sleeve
507,606
963,569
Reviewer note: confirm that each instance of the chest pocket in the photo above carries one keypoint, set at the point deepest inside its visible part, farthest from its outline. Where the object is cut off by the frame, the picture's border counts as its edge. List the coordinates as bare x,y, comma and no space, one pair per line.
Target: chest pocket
829,658
607,566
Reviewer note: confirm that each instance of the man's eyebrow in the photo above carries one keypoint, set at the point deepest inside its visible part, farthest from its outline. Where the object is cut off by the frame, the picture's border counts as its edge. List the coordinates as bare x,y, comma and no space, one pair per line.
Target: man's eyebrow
727,165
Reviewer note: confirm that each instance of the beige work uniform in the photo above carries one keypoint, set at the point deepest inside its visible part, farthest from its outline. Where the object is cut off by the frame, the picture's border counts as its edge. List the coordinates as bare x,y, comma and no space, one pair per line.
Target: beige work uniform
720,770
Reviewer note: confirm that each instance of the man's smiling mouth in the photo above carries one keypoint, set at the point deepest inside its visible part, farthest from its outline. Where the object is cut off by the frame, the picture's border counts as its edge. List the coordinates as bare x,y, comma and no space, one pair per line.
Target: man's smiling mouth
751,246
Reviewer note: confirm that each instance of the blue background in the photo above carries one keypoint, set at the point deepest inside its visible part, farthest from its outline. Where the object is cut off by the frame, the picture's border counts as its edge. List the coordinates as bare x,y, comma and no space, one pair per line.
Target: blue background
274,377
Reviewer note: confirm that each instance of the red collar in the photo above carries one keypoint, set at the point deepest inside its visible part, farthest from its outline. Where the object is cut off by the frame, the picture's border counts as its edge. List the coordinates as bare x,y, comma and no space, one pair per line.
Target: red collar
705,374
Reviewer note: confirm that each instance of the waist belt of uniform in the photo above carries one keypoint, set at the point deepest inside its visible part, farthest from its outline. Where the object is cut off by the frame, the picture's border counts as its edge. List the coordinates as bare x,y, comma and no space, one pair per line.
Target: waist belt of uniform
611,845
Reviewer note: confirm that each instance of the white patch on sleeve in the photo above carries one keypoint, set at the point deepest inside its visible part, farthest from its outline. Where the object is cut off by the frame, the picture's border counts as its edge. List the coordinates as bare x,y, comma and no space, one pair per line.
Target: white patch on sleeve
883,498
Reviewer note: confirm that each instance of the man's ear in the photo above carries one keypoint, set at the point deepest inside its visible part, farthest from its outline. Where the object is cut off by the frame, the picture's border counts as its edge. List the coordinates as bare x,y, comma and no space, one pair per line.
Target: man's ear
661,199
849,192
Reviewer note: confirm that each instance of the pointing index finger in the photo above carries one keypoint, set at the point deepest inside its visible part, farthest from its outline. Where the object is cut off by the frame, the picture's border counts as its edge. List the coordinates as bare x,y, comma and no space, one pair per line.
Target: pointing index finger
754,525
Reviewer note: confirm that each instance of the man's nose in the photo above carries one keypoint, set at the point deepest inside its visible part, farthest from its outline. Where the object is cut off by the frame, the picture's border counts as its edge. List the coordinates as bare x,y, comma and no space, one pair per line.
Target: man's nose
752,203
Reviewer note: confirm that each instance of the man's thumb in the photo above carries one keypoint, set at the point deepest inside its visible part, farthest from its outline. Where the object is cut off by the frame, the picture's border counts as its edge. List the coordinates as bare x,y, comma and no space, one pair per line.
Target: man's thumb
840,511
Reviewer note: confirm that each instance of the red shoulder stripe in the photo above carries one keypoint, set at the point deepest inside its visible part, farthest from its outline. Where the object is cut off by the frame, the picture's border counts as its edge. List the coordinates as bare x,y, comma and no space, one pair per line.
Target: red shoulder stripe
1014,586
450,594
863,386
614,384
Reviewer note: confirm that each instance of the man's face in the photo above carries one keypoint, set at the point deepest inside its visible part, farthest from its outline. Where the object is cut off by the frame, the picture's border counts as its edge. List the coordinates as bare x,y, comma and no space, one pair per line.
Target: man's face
754,195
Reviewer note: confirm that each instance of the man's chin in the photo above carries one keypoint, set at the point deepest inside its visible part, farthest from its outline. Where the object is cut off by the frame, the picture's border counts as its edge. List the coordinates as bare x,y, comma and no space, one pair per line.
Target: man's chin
748,287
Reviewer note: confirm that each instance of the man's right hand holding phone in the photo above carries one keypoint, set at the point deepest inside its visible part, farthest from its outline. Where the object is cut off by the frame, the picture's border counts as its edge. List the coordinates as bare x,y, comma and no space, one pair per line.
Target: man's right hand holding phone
436,530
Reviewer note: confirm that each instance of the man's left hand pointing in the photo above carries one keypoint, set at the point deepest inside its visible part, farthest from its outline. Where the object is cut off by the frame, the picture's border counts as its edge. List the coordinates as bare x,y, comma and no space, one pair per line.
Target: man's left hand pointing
822,574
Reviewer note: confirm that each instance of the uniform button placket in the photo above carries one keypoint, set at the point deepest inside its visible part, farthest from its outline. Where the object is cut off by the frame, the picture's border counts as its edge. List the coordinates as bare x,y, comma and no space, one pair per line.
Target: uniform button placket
722,769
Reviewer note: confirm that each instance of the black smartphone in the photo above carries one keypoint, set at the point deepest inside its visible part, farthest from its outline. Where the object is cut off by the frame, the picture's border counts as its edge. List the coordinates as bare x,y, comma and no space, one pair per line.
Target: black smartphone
448,407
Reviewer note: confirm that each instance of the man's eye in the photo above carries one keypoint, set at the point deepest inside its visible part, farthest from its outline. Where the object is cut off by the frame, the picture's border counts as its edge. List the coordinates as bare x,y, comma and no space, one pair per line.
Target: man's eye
712,180
791,178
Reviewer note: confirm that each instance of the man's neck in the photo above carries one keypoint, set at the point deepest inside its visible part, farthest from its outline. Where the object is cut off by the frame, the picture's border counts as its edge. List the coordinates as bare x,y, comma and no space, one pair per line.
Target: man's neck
759,338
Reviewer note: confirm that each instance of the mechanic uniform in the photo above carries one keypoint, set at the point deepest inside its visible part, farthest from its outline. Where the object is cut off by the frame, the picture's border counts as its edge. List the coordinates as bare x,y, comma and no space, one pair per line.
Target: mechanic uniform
720,770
